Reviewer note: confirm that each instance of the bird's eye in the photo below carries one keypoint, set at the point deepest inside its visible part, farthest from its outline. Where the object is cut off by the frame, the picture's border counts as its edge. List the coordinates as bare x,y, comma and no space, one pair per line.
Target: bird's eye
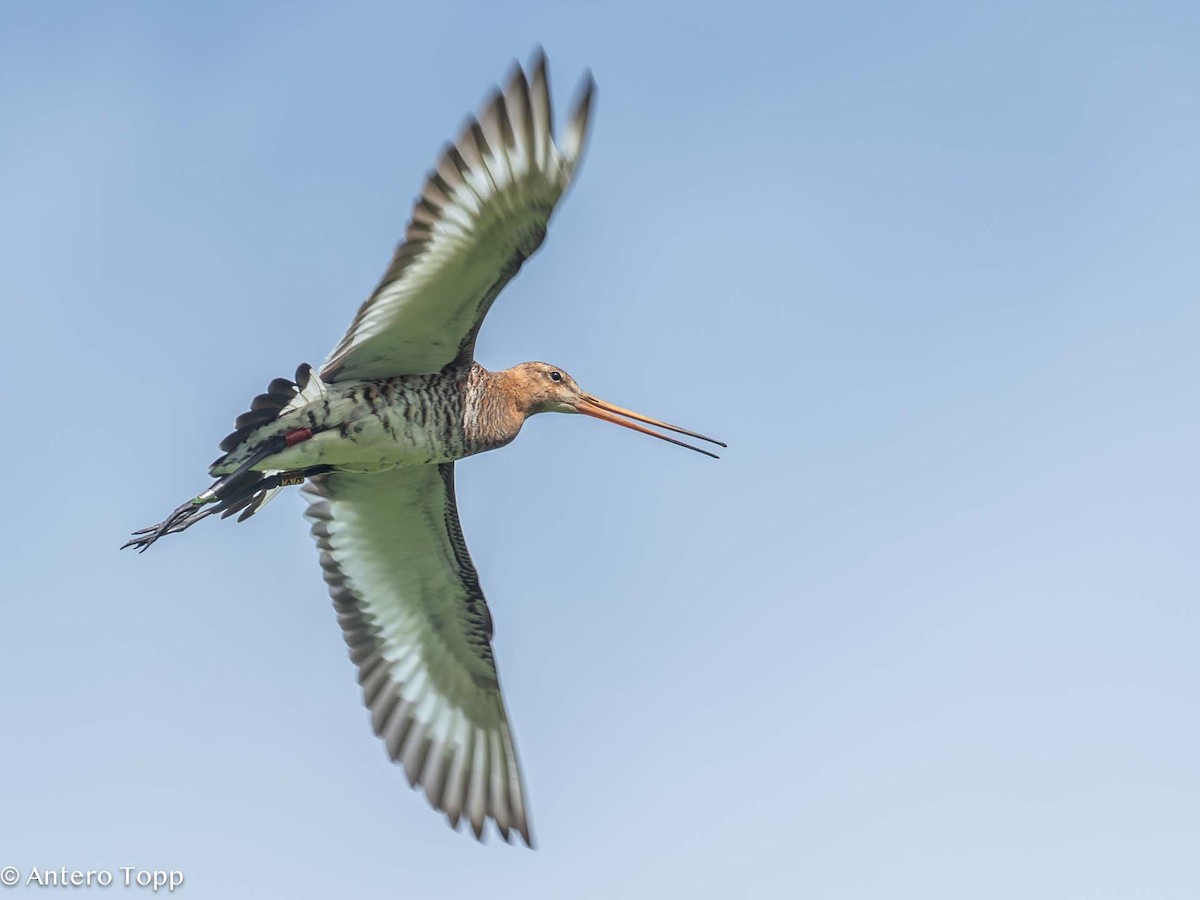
556,376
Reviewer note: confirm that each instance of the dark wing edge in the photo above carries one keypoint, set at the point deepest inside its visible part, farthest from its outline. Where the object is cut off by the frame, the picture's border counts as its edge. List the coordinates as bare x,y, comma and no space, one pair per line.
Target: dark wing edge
483,211
417,626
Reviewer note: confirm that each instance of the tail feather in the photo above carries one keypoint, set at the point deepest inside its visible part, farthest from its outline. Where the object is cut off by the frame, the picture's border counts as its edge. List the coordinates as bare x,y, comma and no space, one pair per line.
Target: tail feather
267,407
280,397
245,490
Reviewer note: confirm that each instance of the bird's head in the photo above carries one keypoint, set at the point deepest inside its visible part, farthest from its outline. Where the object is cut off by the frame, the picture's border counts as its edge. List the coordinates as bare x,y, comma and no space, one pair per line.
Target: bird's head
546,388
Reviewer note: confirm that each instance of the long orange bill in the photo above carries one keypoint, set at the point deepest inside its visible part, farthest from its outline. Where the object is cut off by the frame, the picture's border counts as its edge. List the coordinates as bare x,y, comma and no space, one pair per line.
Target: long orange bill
597,408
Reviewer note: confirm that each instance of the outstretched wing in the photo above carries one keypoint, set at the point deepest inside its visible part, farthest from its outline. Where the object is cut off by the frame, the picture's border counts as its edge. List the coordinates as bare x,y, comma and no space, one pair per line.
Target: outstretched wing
482,213
418,628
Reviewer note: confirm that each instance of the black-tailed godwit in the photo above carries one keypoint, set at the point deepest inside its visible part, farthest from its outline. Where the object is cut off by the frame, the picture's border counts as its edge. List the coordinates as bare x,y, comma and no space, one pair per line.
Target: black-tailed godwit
374,436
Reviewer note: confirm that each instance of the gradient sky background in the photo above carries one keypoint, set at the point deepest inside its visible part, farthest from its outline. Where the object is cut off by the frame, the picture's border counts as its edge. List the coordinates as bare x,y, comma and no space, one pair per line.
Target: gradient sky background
928,630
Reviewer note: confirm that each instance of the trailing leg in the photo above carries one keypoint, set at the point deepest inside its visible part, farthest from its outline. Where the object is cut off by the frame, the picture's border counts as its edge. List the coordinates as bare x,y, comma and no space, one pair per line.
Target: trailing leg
242,492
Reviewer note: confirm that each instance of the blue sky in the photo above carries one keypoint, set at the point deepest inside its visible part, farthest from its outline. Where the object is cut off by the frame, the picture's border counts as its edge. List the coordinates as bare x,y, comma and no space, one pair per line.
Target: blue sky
928,630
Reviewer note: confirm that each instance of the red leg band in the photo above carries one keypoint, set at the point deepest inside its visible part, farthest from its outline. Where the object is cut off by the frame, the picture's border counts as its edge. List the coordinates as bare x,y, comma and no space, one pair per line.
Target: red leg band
299,436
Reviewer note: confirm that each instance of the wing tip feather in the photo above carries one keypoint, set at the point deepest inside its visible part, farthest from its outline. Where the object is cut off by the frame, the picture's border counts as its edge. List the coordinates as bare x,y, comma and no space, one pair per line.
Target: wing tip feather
575,140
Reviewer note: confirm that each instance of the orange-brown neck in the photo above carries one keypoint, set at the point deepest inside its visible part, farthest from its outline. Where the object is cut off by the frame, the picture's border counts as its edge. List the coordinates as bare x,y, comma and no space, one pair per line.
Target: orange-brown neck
497,406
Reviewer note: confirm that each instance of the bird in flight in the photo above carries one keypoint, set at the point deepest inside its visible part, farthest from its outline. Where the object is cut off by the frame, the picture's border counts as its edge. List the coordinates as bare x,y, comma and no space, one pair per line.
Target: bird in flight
374,434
